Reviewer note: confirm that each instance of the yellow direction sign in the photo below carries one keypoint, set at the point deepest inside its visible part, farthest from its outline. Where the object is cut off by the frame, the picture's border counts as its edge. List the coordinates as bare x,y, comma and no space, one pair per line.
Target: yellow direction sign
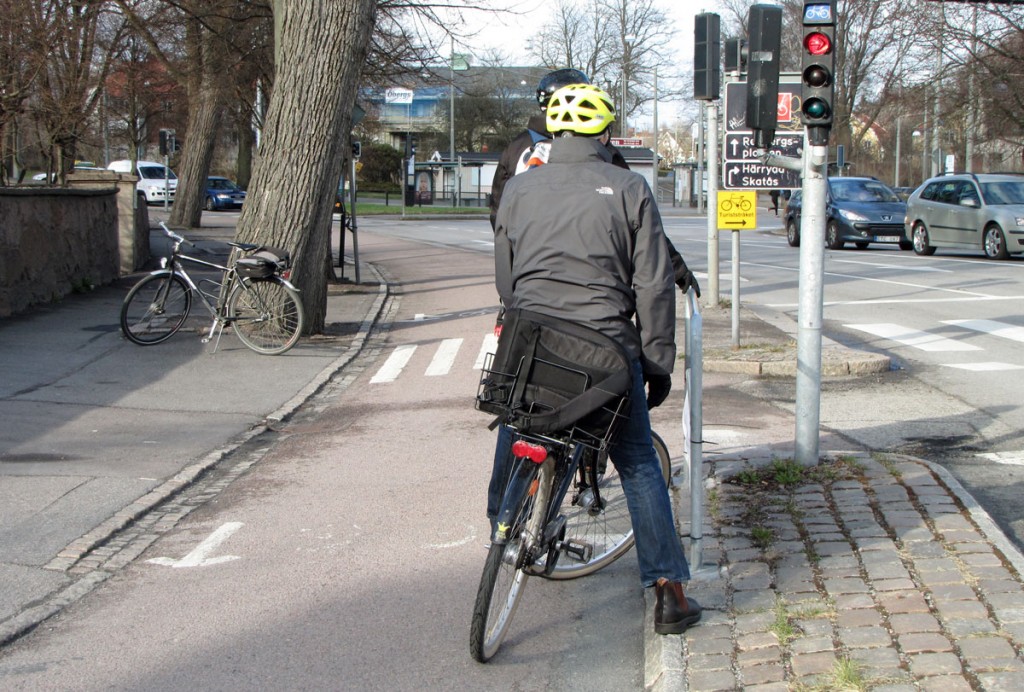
737,210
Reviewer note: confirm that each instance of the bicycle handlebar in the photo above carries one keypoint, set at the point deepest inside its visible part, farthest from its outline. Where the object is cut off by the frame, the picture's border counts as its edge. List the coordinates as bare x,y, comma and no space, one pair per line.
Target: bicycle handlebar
175,237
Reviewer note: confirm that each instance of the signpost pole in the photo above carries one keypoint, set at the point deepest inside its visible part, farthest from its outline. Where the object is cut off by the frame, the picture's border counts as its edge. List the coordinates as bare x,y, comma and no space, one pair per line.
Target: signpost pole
735,289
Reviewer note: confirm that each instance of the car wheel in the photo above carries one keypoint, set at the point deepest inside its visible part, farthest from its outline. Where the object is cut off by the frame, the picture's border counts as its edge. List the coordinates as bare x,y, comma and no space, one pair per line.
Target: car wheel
994,243
922,246
832,239
793,234
862,245
209,206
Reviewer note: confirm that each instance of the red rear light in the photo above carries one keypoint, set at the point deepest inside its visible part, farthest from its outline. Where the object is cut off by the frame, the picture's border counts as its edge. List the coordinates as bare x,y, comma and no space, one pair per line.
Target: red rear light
535,453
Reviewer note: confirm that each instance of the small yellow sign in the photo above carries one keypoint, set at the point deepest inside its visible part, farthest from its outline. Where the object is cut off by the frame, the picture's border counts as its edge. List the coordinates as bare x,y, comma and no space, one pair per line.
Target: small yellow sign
737,210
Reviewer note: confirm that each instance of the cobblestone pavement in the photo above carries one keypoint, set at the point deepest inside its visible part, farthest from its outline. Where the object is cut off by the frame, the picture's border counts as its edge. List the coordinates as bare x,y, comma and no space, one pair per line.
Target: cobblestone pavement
869,572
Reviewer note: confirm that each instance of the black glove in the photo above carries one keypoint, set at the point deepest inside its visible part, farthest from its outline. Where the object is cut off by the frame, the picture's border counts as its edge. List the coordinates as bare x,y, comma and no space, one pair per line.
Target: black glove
687,281
658,387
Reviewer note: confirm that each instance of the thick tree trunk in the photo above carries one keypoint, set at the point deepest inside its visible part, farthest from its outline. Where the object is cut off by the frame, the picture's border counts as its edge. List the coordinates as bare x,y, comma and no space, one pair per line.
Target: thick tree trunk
322,45
204,119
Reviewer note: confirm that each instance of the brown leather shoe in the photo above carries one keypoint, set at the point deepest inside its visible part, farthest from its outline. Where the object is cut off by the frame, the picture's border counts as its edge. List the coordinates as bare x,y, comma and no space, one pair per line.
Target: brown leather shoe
673,612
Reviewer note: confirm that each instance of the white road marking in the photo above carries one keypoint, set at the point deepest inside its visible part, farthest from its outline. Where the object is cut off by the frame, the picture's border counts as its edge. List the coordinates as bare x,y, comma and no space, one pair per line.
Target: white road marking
1008,458
985,367
913,337
444,358
902,268
490,345
393,366
1000,329
470,537
198,557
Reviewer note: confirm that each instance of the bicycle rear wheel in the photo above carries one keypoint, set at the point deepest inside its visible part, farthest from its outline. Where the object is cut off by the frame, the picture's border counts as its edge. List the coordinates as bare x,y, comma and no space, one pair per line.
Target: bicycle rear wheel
501,587
155,308
266,315
607,532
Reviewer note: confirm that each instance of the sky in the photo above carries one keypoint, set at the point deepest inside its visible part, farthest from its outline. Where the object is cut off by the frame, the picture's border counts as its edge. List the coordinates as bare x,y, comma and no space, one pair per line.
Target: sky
509,33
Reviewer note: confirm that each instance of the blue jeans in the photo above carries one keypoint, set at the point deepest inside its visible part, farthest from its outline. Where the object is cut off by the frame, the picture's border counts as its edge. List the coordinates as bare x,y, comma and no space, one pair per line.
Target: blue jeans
658,549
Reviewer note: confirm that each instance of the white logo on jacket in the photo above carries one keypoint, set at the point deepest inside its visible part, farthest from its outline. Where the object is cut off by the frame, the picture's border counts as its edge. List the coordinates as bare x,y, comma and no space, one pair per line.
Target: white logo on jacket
605,191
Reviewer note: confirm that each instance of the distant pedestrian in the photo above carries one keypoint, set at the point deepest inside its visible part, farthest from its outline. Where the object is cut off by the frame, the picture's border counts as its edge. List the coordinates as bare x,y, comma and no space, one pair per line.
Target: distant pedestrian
775,201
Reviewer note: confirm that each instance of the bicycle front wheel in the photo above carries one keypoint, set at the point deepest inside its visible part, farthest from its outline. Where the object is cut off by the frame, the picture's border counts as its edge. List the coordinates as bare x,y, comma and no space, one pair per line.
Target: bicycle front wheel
266,315
606,533
155,308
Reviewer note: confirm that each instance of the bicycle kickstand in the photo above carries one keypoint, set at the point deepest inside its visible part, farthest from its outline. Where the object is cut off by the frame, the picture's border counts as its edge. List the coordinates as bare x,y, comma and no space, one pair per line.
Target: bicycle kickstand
218,328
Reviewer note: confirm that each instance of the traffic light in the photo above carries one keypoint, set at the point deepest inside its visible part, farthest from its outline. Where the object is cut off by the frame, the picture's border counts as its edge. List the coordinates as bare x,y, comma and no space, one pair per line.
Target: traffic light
735,57
357,149
765,26
707,56
167,142
818,69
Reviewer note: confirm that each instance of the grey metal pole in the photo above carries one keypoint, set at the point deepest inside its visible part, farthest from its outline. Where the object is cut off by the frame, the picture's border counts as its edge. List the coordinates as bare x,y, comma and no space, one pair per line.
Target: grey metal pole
702,154
694,387
711,144
654,176
735,289
451,112
352,221
811,288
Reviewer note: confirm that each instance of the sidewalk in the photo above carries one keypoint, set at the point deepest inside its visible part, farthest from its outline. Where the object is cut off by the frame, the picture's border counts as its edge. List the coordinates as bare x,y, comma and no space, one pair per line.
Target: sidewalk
97,431
872,571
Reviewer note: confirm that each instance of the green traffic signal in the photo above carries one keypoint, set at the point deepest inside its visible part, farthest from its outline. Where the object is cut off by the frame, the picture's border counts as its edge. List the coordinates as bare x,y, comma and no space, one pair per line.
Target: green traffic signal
816,109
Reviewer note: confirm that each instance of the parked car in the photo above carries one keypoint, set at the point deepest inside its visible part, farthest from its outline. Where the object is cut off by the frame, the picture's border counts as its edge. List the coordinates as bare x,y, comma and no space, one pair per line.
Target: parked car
154,178
222,193
79,166
969,211
858,210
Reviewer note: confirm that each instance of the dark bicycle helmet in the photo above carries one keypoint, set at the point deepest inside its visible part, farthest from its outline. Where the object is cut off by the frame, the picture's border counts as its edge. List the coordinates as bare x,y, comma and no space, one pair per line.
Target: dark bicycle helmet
553,81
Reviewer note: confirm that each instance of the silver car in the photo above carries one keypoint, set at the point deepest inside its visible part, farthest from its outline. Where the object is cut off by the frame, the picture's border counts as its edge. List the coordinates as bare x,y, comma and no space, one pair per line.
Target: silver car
968,211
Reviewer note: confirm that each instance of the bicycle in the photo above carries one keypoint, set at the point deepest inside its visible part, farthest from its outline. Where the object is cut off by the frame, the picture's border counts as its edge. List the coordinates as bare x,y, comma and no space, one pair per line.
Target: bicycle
544,530
253,297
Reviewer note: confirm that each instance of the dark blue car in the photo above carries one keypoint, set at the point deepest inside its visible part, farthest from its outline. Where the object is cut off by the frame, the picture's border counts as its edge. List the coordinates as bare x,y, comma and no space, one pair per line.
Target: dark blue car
222,193
859,211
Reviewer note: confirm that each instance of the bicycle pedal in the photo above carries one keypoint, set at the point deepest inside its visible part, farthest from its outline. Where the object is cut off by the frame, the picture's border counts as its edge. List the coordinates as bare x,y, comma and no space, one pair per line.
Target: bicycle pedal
578,550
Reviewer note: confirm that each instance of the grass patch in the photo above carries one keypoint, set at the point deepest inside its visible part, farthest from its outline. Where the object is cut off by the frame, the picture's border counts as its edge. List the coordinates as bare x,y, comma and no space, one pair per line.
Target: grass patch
762,536
781,626
714,503
888,465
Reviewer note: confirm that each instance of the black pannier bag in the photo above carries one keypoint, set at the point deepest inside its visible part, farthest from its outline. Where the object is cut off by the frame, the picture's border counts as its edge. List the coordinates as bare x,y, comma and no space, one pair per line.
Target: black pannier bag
550,375
263,264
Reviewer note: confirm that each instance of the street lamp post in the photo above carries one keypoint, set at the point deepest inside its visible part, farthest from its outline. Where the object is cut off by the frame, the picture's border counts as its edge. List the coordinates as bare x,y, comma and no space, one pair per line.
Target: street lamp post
451,112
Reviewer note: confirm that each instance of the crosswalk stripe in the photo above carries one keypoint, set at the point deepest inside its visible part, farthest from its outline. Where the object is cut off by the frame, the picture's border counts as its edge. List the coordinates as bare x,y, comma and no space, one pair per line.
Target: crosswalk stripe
444,358
913,337
985,367
490,345
1000,329
394,364
1009,458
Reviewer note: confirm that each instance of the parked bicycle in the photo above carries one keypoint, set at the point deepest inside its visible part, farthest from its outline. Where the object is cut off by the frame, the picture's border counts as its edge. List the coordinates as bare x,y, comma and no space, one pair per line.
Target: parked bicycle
253,297
563,513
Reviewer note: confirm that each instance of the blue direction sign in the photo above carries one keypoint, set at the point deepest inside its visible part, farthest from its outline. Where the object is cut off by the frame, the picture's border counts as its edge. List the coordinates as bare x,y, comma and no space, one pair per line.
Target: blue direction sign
742,170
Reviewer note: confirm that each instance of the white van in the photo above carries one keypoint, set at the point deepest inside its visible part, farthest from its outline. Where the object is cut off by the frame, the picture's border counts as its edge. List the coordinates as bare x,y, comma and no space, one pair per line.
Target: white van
151,178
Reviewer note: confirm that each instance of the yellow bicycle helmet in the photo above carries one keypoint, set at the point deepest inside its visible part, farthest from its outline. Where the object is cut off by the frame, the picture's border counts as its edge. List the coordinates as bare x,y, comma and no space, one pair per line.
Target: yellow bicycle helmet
581,108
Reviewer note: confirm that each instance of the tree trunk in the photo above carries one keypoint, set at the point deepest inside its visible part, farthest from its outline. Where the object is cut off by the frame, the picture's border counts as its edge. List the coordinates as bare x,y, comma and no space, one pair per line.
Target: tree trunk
322,45
204,119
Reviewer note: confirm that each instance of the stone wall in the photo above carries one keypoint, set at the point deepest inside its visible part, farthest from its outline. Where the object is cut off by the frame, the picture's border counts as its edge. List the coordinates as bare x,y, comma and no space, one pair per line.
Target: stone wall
54,241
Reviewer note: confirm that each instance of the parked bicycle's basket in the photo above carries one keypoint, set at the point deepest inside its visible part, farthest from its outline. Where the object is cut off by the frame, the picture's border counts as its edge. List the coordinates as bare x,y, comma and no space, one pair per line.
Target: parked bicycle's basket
263,264
550,376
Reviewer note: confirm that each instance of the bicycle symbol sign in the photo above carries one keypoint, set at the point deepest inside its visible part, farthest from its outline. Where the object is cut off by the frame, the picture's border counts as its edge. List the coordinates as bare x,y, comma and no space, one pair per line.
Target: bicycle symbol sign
818,13
737,209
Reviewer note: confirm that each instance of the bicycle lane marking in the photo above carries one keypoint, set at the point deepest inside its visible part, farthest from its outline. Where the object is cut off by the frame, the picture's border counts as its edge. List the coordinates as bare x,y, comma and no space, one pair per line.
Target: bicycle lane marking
394,365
